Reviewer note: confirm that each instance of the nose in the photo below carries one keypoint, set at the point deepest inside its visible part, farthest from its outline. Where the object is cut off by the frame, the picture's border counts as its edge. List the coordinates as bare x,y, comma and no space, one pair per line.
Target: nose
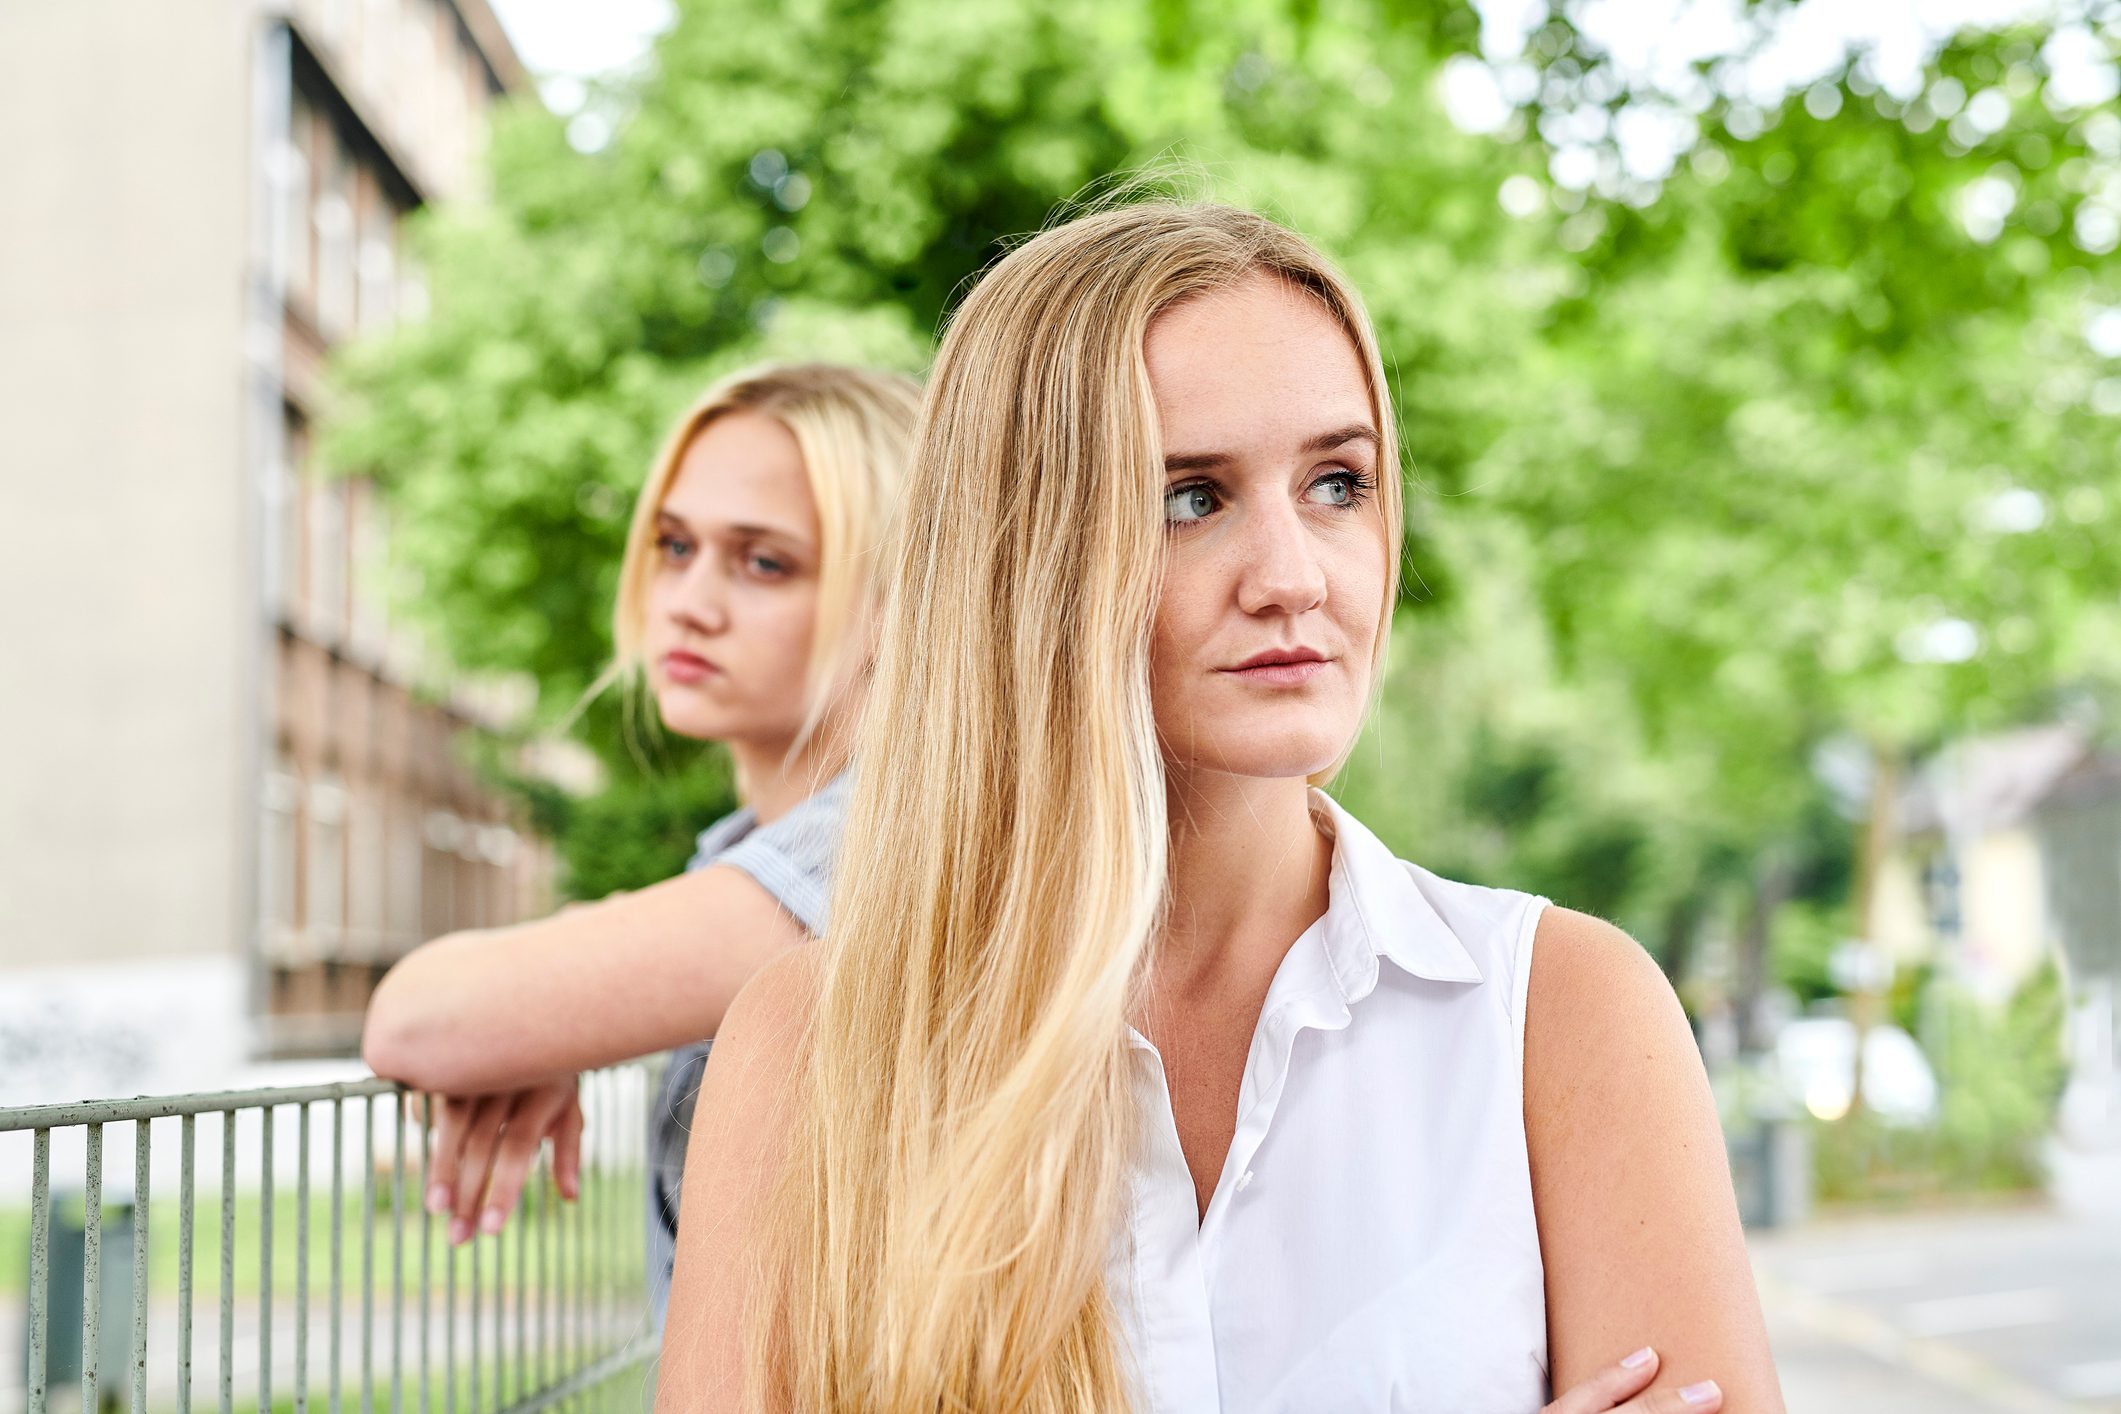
1281,571
699,606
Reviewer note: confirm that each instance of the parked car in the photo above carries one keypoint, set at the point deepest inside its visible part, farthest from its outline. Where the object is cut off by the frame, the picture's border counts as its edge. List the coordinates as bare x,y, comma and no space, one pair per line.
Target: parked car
1816,1059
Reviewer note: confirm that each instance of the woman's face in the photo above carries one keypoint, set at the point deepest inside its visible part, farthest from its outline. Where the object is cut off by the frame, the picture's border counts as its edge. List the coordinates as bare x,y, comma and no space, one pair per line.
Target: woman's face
733,598
1276,563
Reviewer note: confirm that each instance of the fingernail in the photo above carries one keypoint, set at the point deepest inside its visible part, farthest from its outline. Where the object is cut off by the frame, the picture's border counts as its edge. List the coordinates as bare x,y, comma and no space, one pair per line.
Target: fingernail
458,1231
1702,1393
1639,1359
438,1198
491,1220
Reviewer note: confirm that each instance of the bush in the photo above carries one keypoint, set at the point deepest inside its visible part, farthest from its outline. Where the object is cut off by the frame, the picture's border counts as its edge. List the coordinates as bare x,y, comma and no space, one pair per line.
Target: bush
2000,1072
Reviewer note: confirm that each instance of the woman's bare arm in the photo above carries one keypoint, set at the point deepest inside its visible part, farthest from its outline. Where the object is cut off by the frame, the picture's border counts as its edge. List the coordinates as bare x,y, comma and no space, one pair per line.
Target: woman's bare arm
732,1164
1637,1222
505,1008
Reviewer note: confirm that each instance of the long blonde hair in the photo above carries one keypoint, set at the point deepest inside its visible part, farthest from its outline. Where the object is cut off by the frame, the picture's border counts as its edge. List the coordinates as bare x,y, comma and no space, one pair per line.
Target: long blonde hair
852,427
962,1130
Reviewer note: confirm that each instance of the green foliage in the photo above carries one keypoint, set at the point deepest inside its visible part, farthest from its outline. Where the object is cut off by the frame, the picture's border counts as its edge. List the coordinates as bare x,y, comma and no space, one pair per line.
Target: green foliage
1805,934
1486,765
2000,1072
1693,471
823,180
639,828
1787,393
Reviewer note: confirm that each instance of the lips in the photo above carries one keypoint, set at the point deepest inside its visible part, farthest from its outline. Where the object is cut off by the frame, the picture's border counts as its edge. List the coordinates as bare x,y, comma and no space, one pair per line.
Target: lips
1280,667
682,667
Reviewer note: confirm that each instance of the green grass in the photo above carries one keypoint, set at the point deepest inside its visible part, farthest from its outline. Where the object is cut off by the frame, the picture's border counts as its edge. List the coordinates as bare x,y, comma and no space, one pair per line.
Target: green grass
612,1259
609,1234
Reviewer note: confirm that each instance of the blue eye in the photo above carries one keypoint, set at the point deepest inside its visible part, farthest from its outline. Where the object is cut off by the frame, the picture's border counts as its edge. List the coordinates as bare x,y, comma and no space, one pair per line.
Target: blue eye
1339,489
672,547
1191,502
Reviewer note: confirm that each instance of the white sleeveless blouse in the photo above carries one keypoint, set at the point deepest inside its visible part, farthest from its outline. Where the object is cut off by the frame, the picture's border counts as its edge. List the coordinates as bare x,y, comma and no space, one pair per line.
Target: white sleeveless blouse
1370,1245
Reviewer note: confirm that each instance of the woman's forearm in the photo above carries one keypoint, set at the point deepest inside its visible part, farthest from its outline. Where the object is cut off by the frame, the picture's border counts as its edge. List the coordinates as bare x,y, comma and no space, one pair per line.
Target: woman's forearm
502,1008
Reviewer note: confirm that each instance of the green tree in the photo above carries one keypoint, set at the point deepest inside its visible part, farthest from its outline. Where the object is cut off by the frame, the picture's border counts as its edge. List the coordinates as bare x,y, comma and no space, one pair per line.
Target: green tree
1826,448
1696,473
823,179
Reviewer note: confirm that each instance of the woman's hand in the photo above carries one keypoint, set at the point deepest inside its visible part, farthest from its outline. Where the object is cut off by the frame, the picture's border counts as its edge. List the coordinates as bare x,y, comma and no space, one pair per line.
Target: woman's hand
485,1144
1614,1388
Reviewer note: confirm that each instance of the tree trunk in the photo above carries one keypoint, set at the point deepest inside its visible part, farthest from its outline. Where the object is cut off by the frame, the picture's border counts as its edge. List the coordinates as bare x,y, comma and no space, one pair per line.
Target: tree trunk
1881,830
1773,877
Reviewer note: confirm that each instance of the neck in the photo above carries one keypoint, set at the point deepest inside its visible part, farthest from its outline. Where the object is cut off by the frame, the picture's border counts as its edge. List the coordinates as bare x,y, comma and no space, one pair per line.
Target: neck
772,778
1248,874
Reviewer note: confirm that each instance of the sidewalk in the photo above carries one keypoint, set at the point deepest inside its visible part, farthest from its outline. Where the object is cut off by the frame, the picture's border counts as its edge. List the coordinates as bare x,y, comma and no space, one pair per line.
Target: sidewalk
1953,1313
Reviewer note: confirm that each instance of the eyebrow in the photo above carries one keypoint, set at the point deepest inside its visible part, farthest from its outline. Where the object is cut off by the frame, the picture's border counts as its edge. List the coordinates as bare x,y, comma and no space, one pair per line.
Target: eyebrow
1323,442
740,531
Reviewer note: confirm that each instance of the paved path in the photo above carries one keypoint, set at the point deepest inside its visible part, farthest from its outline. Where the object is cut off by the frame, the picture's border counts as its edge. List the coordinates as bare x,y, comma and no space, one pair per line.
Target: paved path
1958,1313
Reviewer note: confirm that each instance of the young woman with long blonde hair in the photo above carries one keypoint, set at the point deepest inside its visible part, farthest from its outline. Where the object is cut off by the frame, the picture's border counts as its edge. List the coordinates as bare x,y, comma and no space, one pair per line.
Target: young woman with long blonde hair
746,602
1133,1073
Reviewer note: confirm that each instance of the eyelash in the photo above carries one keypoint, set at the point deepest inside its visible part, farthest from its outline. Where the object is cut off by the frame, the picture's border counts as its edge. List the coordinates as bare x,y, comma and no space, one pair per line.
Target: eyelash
1360,485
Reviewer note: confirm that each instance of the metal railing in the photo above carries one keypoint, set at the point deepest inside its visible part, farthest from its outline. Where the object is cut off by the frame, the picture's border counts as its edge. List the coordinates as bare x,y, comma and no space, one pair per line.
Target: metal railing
550,1311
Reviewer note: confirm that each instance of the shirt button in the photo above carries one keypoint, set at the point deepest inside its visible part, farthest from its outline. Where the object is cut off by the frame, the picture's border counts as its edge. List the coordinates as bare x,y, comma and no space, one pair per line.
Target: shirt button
1243,1180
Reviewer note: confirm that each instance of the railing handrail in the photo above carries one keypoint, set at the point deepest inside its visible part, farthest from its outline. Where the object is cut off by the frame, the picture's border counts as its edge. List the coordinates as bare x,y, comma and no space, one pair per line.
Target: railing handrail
63,1116
554,1311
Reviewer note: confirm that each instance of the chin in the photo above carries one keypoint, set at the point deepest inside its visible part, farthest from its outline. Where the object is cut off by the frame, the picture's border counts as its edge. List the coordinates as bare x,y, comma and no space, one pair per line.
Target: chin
1267,756
684,715
1286,740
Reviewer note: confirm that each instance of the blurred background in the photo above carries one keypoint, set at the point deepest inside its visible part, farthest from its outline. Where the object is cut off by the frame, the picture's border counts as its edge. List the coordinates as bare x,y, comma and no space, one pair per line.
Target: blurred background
1760,373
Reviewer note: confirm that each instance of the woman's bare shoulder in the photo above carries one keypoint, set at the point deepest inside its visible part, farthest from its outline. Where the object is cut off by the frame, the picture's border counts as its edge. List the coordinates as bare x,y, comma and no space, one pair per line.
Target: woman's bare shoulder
769,1017
1609,1059
738,1148
1577,959
1638,1225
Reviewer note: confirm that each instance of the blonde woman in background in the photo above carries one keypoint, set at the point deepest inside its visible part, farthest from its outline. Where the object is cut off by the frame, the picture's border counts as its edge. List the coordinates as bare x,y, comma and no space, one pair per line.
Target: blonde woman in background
1133,1072
746,600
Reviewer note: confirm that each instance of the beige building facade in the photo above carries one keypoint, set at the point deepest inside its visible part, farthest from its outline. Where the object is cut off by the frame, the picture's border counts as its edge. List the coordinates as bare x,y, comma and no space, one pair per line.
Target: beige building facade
229,765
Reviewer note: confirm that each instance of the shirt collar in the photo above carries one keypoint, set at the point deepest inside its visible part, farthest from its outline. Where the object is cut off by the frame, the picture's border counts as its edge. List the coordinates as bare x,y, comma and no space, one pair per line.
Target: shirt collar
719,836
1377,910
1374,909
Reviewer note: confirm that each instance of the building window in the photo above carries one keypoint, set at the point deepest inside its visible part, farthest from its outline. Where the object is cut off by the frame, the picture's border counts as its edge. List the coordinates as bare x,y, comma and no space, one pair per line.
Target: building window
284,515
440,832
324,556
291,184
333,223
324,868
368,597
378,270
408,855
279,865
367,863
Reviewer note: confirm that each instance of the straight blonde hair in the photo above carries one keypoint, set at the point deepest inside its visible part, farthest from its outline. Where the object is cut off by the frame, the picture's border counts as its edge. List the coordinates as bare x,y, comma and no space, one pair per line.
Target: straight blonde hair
852,426
964,1123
